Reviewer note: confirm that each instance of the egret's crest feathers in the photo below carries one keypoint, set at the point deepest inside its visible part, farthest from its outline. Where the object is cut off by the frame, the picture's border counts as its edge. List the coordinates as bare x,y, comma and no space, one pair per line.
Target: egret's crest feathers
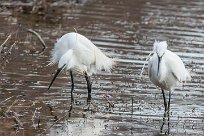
160,47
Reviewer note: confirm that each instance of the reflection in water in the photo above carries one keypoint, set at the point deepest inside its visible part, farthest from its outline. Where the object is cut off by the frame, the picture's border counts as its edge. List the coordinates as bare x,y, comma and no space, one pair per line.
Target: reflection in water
89,88
88,102
71,105
85,109
166,119
115,27
78,127
89,99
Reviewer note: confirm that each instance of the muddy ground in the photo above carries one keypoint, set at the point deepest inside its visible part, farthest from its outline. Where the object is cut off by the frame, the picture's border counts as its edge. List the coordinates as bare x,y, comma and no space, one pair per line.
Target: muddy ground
122,102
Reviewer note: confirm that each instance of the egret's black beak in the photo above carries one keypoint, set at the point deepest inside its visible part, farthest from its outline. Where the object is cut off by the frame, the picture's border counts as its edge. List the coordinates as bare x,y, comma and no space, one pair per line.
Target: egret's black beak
158,67
56,74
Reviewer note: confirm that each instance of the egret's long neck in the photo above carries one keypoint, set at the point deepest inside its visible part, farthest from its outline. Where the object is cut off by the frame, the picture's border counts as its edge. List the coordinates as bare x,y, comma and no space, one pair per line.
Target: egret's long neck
158,64
159,56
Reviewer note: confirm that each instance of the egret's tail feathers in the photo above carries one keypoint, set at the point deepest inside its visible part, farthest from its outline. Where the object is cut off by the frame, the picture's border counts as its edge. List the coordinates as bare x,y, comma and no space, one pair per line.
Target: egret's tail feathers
103,62
187,76
55,54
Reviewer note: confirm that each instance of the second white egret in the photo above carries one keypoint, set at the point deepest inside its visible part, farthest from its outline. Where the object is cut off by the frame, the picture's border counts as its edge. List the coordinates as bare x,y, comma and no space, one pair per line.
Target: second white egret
166,70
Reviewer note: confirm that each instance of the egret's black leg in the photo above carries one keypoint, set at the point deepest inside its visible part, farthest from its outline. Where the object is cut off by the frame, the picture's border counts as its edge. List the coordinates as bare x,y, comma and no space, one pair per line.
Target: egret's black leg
163,122
168,132
89,84
72,79
70,109
165,104
169,103
72,89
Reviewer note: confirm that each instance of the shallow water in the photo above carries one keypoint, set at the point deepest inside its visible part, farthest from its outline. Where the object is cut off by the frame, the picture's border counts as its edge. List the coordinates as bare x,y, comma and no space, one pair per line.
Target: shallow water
123,29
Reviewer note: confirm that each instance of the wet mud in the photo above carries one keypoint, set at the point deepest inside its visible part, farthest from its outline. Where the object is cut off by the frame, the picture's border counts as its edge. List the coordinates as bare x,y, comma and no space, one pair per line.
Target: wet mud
123,102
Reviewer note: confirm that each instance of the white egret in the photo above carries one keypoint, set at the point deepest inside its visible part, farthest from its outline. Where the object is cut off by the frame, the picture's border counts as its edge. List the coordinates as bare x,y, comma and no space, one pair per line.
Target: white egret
166,69
75,53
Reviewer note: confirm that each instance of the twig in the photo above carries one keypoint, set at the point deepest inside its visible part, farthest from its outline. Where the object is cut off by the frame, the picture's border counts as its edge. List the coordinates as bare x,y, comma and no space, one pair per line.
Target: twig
2,113
5,41
7,54
145,64
32,119
38,36
0,51
9,51
15,4
9,108
17,119
111,104
1,47
6,99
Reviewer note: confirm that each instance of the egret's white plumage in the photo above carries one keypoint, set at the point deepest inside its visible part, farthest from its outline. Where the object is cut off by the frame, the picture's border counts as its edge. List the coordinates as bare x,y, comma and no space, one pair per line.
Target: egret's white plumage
166,69
77,54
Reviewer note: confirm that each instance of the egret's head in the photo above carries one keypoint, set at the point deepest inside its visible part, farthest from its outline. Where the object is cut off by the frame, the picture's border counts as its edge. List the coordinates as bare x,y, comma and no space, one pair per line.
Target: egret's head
160,47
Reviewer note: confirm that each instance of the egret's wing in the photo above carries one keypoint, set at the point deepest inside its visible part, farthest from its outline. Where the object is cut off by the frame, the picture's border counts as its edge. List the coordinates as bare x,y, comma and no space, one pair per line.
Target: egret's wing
83,54
89,54
177,67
